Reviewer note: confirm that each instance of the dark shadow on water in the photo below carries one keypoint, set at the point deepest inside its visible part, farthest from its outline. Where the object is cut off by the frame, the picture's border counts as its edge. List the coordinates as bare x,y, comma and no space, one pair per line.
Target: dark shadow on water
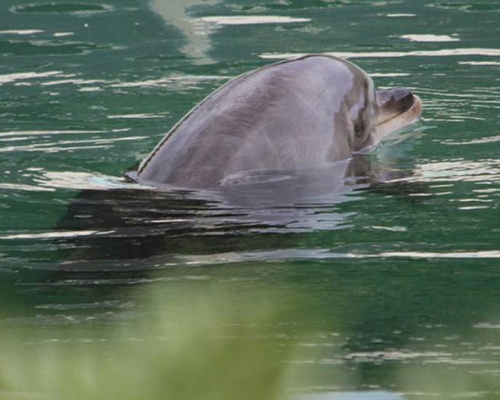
263,211
129,231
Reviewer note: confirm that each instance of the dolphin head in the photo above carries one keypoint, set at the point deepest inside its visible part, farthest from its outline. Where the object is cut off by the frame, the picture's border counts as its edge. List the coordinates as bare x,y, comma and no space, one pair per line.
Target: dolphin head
396,108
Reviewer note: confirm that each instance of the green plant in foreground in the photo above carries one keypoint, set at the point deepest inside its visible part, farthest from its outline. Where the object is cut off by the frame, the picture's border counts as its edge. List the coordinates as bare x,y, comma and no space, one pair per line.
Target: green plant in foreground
211,346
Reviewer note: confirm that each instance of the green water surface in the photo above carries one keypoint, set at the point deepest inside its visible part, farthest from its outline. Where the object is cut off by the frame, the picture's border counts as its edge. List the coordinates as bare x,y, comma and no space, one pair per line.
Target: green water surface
400,275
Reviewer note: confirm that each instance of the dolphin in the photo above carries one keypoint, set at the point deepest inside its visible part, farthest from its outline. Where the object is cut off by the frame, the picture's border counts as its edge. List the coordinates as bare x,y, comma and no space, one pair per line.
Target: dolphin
293,115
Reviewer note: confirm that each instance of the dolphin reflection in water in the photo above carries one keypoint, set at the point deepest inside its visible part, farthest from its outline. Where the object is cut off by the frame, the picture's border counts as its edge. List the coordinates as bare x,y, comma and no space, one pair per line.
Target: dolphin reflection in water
271,151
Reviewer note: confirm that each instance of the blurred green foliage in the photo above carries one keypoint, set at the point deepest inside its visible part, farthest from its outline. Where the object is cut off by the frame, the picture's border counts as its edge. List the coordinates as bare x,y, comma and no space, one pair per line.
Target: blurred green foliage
209,345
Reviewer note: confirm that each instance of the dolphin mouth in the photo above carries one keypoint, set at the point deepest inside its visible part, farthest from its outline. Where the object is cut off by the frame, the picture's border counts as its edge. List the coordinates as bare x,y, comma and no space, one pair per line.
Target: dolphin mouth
416,109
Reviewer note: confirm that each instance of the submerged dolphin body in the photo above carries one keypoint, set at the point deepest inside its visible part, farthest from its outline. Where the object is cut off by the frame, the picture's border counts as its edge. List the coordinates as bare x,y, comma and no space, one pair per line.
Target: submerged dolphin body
295,115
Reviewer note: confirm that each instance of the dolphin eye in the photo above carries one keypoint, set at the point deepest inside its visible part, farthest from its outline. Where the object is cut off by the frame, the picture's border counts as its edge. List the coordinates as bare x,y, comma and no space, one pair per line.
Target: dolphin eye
359,127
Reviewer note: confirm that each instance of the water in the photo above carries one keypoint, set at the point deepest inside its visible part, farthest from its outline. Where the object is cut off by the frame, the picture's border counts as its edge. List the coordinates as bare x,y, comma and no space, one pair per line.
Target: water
403,274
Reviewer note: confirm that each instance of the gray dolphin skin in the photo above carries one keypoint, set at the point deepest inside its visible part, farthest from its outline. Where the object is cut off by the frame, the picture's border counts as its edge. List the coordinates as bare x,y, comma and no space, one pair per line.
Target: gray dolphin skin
294,115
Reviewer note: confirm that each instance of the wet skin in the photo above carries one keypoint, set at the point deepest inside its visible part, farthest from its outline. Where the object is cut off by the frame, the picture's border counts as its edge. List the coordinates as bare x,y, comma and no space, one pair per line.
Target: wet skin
291,116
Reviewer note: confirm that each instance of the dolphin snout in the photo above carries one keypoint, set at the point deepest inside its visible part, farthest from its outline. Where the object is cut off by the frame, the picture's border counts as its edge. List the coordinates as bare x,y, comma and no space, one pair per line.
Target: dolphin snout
401,93
396,99
396,107
396,93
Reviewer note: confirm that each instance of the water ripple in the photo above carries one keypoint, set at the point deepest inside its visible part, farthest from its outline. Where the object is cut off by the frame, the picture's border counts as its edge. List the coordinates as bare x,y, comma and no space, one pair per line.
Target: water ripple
325,255
252,19
13,77
21,32
462,170
70,8
489,52
430,38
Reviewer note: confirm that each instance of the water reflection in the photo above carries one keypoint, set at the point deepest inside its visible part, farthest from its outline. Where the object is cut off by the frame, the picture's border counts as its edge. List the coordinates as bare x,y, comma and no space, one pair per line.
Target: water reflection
81,9
484,6
392,54
463,170
197,32
261,218
367,395
430,38
142,222
253,20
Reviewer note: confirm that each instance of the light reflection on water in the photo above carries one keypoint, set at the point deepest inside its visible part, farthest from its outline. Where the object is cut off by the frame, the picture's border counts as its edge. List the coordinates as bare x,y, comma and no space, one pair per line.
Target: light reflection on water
430,38
395,54
462,170
252,20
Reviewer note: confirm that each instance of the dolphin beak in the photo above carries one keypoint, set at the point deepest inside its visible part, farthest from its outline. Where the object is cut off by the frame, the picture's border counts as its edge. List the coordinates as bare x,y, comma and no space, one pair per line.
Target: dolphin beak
397,108
417,108
398,103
